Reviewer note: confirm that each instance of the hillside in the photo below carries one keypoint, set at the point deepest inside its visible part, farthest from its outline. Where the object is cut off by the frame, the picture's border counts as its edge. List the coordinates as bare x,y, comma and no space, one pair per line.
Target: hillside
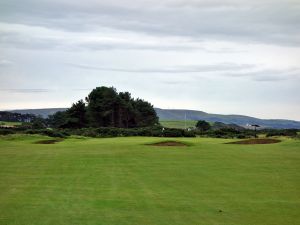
181,124
179,115
41,112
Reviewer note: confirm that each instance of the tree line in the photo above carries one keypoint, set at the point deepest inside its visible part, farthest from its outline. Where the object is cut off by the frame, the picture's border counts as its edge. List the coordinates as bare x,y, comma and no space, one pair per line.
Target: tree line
16,117
105,107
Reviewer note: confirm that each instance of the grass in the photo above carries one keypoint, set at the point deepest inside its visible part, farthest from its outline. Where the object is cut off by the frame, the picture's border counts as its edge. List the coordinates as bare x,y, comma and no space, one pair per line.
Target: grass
124,181
10,123
178,123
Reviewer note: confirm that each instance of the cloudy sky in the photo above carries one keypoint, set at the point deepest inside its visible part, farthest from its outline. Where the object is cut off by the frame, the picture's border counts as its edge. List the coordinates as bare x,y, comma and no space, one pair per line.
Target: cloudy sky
229,56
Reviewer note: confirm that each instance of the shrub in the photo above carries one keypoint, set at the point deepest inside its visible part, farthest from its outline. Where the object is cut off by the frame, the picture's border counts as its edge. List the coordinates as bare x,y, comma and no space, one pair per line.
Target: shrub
89,132
6,131
226,133
241,136
173,132
47,132
155,131
53,133
282,132
189,134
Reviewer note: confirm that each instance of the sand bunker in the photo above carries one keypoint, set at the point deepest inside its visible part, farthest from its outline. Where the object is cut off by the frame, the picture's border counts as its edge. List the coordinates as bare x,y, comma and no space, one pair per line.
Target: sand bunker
47,142
169,143
255,141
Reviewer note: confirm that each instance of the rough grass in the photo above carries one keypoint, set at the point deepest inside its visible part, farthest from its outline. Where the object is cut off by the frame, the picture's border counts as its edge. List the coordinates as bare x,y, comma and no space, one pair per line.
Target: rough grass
123,181
178,123
10,123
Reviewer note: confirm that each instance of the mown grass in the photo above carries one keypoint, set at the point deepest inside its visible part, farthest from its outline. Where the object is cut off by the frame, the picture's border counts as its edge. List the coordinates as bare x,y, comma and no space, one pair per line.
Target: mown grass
125,181
178,123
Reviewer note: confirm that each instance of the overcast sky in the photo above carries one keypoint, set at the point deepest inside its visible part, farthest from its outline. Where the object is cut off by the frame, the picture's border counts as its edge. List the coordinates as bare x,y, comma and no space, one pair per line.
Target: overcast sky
229,56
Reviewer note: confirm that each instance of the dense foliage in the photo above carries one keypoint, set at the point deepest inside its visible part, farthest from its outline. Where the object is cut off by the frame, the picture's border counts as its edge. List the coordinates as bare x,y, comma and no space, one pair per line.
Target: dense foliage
16,117
154,131
105,107
202,125
282,132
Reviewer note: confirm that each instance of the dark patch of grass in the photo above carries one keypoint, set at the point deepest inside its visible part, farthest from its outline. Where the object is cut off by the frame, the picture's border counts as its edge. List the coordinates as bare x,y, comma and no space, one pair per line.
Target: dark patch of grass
47,142
169,144
256,141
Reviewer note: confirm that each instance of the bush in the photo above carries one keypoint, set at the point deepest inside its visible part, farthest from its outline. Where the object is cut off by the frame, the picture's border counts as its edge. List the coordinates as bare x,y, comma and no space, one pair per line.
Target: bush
155,131
227,133
88,132
172,132
53,133
48,132
282,132
6,131
189,134
241,136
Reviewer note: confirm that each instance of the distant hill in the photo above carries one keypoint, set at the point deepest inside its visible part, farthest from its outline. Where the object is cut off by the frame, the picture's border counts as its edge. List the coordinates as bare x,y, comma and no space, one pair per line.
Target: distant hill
39,112
179,114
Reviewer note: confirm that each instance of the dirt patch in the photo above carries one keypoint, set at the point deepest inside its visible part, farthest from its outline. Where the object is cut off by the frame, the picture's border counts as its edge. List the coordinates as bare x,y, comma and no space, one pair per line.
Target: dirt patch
169,144
256,141
48,142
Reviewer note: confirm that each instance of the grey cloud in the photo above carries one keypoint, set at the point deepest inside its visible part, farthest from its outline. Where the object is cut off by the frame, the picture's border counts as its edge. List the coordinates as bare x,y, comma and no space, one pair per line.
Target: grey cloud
269,75
171,46
173,69
40,90
265,21
4,62
31,39
101,46
19,40
26,90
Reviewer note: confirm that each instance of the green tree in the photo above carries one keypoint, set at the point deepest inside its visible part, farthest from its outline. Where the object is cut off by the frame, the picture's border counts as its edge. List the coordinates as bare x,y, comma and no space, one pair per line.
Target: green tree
108,108
202,125
126,110
58,120
39,123
102,103
105,107
145,114
76,115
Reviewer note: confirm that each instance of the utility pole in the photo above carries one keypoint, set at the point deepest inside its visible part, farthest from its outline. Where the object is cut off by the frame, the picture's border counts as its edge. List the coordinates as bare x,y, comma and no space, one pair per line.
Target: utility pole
185,120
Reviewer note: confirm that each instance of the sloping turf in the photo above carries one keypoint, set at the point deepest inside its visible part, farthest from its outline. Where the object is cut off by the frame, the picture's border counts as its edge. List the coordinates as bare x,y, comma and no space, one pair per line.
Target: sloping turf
181,124
118,181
